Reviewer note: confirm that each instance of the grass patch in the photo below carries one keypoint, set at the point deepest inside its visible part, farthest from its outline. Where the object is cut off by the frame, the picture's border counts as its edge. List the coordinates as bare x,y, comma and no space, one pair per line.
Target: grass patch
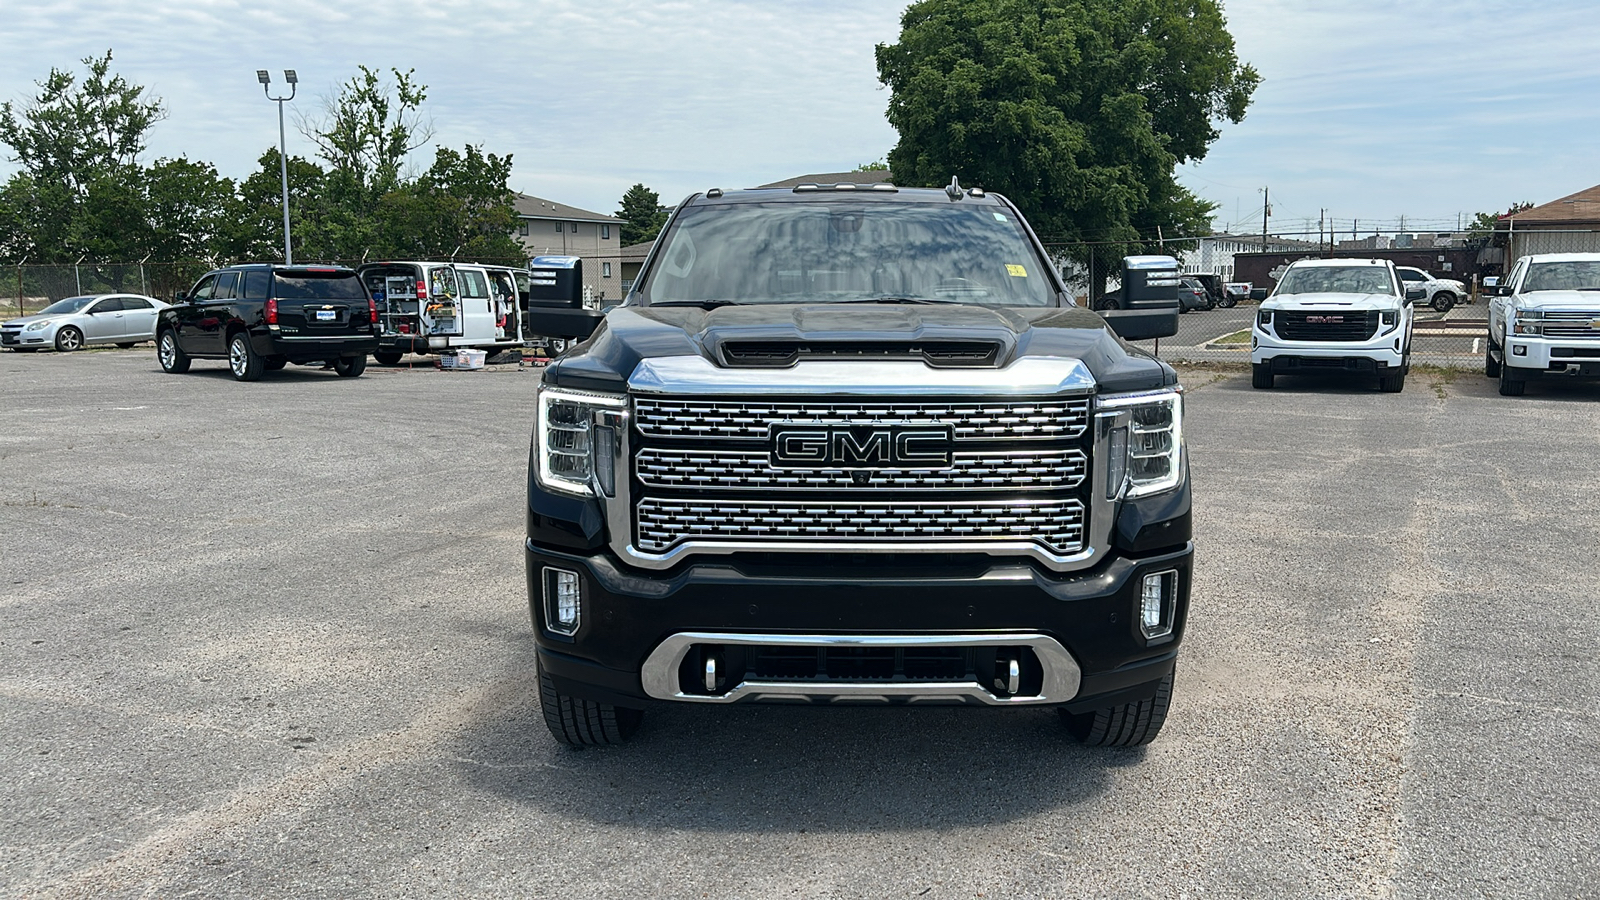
1242,336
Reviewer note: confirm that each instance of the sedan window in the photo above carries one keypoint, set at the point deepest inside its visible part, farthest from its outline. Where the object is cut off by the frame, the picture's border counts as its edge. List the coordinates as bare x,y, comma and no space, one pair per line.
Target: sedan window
135,303
109,304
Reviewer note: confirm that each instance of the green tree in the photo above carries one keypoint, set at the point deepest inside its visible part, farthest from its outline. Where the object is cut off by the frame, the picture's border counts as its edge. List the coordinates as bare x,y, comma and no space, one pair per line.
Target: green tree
187,205
1078,110
461,206
252,231
1486,222
642,215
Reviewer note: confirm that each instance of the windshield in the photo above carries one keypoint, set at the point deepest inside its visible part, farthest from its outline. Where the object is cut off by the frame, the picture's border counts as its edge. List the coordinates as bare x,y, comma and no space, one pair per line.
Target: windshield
1578,275
833,252
319,286
69,305
1336,280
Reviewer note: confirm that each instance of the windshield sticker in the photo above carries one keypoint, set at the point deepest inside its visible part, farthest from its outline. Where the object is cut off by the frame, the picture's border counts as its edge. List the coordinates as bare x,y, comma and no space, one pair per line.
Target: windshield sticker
1016,271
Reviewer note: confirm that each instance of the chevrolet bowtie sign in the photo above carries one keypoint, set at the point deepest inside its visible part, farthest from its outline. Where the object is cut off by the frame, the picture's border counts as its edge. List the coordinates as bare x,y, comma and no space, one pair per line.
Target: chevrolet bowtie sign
862,447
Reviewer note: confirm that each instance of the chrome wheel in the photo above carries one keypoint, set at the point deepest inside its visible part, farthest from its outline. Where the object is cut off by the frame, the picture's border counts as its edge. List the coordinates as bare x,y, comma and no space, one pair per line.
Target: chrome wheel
238,357
69,339
167,351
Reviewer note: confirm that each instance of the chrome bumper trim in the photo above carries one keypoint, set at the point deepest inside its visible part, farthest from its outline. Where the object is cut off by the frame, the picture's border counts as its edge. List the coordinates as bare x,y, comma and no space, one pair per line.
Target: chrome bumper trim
1062,676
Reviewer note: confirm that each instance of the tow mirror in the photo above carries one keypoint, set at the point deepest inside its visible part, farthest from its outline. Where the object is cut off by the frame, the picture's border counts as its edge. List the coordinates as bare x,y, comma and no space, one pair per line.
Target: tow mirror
1142,324
1258,294
555,299
1492,281
1415,294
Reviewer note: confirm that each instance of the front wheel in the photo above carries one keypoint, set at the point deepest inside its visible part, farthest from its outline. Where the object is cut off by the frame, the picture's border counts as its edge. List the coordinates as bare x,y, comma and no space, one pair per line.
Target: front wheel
243,360
1227,302
1261,375
1444,301
582,723
69,339
1491,366
350,366
1392,382
1124,725
172,358
1510,385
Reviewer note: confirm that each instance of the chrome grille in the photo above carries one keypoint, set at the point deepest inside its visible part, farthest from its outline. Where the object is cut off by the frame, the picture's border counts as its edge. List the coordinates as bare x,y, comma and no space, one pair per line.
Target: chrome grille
1572,324
751,420
971,470
1056,524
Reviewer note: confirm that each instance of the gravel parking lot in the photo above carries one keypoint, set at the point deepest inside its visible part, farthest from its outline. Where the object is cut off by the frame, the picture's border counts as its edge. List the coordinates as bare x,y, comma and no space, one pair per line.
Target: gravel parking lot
272,639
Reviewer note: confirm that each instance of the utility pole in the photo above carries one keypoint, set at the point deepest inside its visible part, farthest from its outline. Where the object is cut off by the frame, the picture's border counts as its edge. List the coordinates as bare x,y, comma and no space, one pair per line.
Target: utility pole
1266,210
1321,215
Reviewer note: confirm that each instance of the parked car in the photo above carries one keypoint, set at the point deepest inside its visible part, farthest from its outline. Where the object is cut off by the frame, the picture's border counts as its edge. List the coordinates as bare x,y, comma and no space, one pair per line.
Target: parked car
76,322
1193,295
1544,320
262,317
1441,293
1234,291
1349,315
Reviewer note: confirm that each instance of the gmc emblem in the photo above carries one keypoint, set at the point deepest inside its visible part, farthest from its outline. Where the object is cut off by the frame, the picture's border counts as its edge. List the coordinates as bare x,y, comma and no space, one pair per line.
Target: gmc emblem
1325,320
862,447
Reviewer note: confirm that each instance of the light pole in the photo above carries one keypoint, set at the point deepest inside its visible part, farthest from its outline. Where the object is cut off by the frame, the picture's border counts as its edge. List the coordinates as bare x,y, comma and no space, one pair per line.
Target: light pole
283,153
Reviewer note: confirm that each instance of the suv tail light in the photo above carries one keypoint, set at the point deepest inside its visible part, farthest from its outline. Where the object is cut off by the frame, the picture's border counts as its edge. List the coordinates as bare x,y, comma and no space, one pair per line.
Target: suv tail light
272,312
372,312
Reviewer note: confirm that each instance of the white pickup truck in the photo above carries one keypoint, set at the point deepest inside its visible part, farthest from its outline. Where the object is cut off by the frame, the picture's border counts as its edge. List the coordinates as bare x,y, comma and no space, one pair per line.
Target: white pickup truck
1335,315
1544,319
1441,293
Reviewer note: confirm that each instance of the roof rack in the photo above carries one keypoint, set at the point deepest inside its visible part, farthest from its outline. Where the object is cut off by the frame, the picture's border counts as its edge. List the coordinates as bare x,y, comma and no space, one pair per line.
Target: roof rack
810,187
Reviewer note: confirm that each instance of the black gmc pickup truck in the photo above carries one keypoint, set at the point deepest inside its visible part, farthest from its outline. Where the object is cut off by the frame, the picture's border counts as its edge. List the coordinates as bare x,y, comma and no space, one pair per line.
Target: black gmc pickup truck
856,443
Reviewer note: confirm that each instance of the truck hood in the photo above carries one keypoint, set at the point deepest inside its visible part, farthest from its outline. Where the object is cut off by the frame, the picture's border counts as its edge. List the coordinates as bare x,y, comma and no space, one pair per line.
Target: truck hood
1572,300
631,334
1332,301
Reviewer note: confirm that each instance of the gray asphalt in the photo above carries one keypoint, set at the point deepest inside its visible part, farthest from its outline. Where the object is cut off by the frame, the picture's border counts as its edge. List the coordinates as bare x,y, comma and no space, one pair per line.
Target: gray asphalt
271,640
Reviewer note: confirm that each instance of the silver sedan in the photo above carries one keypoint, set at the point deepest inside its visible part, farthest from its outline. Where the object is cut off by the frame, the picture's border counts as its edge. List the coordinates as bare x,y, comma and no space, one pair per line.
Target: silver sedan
73,323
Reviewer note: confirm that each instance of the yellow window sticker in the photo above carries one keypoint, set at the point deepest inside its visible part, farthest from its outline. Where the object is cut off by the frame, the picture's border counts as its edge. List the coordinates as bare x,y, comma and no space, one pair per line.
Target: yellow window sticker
1016,271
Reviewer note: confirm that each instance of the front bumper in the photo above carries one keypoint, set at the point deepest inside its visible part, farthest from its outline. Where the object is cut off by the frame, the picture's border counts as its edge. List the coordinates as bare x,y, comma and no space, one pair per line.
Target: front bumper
19,338
1380,352
1541,355
627,616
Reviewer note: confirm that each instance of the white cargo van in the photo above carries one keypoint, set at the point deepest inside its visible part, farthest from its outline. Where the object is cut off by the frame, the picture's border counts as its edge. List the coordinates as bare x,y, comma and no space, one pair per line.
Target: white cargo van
437,307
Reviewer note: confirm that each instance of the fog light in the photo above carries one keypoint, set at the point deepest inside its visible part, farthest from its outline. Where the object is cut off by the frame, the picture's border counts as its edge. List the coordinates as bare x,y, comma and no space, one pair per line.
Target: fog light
1156,602
562,594
1519,351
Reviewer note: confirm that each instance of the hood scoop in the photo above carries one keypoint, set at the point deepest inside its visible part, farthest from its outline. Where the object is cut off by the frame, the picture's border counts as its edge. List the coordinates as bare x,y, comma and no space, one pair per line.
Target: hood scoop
780,354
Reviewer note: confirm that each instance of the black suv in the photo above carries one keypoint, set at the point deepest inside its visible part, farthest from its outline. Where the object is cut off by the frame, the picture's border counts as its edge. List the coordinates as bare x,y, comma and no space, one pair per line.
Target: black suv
261,317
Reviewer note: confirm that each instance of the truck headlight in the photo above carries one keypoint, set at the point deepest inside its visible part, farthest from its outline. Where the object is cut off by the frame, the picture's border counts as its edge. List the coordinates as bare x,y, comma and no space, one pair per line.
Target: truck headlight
1144,442
1390,319
575,441
1527,321
1264,319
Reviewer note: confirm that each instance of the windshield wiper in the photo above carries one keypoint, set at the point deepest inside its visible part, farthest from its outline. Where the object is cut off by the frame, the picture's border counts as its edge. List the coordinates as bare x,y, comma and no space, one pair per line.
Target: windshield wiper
703,304
906,300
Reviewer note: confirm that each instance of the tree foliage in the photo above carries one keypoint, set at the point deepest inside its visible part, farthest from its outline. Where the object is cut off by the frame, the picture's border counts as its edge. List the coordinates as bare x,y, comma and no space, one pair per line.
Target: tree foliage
1078,110
1487,222
642,215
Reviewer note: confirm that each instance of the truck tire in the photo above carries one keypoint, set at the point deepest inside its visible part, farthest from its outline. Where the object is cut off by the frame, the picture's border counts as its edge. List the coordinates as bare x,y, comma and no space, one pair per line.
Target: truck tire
1510,385
387,358
1392,382
1261,375
1227,302
1125,725
583,723
1491,366
1444,301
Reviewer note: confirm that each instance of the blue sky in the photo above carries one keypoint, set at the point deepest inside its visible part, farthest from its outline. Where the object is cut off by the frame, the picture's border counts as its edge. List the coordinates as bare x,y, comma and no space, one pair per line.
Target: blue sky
1371,110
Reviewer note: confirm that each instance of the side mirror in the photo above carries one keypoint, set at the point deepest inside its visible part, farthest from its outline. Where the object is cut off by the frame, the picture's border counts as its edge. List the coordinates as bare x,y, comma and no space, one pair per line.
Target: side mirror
555,281
1258,294
1413,294
179,297
1142,324
578,324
